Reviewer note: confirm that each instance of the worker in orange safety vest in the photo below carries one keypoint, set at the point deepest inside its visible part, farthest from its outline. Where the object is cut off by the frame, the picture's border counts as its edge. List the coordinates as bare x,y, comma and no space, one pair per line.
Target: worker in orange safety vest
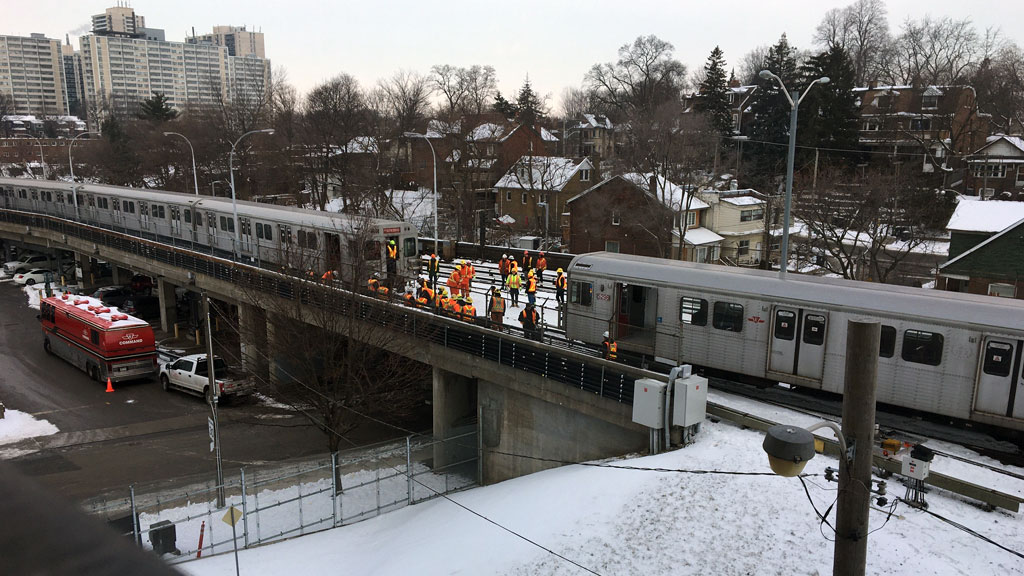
609,349
455,280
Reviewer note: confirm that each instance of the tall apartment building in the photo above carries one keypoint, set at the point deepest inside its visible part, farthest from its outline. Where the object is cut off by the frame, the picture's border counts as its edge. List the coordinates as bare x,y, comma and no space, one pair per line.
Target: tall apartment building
123,64
32,74
238,40
73,87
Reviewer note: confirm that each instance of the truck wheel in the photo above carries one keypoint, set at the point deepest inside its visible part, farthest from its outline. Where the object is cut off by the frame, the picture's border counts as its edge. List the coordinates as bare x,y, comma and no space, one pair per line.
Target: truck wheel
46,345
92,372
165,382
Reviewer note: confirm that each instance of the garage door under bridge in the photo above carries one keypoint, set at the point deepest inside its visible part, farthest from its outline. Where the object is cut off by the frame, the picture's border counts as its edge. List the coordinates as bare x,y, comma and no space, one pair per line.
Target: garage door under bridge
1001,383
798,342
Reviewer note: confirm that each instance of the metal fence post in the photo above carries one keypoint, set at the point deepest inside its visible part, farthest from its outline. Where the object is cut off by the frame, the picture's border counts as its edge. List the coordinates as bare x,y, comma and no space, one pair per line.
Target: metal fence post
408,467
245,514
377,486
334,489
135,517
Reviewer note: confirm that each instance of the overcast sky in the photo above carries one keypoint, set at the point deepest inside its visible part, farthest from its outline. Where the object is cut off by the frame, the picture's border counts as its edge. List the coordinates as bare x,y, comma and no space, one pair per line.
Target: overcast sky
555,42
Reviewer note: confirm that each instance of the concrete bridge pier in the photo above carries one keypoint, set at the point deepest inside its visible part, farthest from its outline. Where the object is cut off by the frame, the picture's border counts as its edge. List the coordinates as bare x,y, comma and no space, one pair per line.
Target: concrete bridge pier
83,265
454,402
119,275
252,324
168,304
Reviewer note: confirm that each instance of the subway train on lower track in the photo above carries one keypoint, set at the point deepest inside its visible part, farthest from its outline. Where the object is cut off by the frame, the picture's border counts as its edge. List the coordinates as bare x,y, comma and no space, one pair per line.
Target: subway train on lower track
953,354
270,236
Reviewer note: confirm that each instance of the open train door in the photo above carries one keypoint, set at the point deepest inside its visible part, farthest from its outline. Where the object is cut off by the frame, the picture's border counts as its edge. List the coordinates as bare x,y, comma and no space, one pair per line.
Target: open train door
1000,382
332,251
636,315
797,345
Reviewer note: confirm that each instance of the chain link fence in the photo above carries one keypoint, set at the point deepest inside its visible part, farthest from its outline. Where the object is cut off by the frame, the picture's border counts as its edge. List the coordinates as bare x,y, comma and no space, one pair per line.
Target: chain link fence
286,500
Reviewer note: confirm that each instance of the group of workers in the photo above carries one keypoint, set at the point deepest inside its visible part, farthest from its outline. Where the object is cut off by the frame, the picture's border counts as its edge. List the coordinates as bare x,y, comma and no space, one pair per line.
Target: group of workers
455,296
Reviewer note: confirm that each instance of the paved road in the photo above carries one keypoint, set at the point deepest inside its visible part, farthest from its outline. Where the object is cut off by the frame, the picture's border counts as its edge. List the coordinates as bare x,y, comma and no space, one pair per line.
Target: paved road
138,434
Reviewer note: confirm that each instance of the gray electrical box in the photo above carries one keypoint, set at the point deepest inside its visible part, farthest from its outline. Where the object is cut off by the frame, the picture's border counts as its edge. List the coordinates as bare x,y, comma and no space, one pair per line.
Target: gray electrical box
649,403
691,401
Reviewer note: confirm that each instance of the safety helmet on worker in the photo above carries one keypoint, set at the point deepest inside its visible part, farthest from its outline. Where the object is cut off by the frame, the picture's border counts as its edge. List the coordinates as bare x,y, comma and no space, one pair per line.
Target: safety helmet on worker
391,242
605,335
559,271
376,275
469,299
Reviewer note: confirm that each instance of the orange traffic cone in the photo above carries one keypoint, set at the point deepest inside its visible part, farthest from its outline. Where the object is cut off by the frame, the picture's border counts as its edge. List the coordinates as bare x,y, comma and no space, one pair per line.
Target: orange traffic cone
110,387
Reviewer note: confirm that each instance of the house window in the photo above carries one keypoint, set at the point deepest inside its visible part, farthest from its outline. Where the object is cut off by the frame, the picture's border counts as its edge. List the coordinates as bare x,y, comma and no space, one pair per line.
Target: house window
581,293
525,197
871,126
922,347
754,214
508,195
744,248
1020,176
930,102
1001,290
490,149
584,175
544,198
691,219
615,219
920,124
611,246
990,170
728,316
693,311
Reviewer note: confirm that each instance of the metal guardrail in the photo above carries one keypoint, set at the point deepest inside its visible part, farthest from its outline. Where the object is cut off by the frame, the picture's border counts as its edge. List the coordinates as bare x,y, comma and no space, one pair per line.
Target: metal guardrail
607,379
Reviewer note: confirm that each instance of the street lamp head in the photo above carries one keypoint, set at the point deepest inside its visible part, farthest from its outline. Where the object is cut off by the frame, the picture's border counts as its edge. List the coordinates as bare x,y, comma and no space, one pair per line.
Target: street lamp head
765,74
267,131
824,80
411,134
788,448
168,133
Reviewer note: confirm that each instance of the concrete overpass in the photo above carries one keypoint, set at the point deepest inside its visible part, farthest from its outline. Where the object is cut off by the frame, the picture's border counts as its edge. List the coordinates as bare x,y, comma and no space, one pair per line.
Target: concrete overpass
535,404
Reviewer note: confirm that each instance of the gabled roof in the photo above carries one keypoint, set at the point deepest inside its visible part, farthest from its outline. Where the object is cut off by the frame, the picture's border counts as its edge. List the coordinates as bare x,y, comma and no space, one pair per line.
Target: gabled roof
989,216
595,121
671,194
987,241
489,131
542,172
1015,141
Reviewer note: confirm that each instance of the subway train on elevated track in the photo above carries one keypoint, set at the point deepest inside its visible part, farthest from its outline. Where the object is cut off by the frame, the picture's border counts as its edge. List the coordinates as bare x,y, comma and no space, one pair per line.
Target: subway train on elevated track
953,354
269,236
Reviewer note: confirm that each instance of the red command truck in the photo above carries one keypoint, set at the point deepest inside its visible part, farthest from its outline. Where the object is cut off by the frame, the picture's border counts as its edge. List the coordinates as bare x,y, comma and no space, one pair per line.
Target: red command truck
102,342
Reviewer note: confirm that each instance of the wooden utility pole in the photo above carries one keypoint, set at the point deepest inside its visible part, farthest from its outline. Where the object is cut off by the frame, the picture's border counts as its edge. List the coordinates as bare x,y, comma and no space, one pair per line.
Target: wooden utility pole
862,341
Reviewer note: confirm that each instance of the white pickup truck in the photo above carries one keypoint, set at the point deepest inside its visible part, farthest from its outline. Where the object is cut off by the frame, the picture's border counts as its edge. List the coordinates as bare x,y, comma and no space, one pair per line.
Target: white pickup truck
190,374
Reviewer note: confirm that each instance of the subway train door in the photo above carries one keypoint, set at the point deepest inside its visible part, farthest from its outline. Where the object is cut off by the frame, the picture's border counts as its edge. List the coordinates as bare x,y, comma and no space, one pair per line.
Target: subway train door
1000,382
798,342
636,313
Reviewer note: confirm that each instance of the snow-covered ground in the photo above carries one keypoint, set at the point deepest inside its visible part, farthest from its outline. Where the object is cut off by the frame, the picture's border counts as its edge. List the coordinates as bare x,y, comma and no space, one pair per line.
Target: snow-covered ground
664,516
16,426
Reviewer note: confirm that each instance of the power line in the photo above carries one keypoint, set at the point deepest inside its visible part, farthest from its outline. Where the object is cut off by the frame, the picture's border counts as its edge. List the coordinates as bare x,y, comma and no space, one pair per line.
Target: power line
844,150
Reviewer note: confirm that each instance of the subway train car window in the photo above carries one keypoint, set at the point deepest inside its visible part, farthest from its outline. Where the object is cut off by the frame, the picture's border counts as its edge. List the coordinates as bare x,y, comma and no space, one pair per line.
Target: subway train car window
922,347
728,316
693,311
887,343
582,293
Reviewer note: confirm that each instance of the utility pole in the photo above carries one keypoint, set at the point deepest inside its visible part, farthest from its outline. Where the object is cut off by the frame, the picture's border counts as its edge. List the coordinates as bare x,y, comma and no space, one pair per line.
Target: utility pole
214,398
852,509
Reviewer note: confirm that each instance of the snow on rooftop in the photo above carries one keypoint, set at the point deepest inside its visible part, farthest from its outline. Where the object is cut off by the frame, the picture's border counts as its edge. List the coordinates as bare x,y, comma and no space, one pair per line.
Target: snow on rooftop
1016,141
541,173
670,193
487,131
547,136
990,216
699,236
743,200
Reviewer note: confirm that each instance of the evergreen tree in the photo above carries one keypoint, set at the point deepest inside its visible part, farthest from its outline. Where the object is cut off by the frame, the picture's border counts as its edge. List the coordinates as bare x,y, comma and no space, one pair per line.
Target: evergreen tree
120,166
771,112
828,115
504,107
528,105
714,91
157,110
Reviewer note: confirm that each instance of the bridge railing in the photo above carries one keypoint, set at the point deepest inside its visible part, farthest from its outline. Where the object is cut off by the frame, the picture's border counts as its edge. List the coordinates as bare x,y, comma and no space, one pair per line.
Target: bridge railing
608,379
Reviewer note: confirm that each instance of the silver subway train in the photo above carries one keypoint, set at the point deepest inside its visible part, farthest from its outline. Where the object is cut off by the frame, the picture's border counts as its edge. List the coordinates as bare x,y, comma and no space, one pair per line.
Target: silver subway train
958,355
270,236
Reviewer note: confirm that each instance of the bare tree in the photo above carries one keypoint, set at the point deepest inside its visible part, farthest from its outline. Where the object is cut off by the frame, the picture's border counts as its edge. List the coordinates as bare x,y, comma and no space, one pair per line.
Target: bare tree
862,29
481,86
751,64
453,84
999,83
645,76
574,102
334,113
939,51
329,359
407,95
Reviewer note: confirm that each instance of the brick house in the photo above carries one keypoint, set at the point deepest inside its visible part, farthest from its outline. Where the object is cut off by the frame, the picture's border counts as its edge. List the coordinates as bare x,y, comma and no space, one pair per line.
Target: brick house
541,179
927,127
997,169
592,136
621,214
985,249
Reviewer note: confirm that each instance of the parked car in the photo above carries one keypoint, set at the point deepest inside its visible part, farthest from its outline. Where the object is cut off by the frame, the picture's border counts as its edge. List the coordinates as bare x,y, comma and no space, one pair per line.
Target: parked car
142,284
113,296
142,306
190,374
26,263
35,275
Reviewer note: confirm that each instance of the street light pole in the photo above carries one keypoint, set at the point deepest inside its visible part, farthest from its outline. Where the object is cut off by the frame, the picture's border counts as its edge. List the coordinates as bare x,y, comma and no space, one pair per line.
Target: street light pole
195,175
434,158
71,164
231,169
41,160
794,99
